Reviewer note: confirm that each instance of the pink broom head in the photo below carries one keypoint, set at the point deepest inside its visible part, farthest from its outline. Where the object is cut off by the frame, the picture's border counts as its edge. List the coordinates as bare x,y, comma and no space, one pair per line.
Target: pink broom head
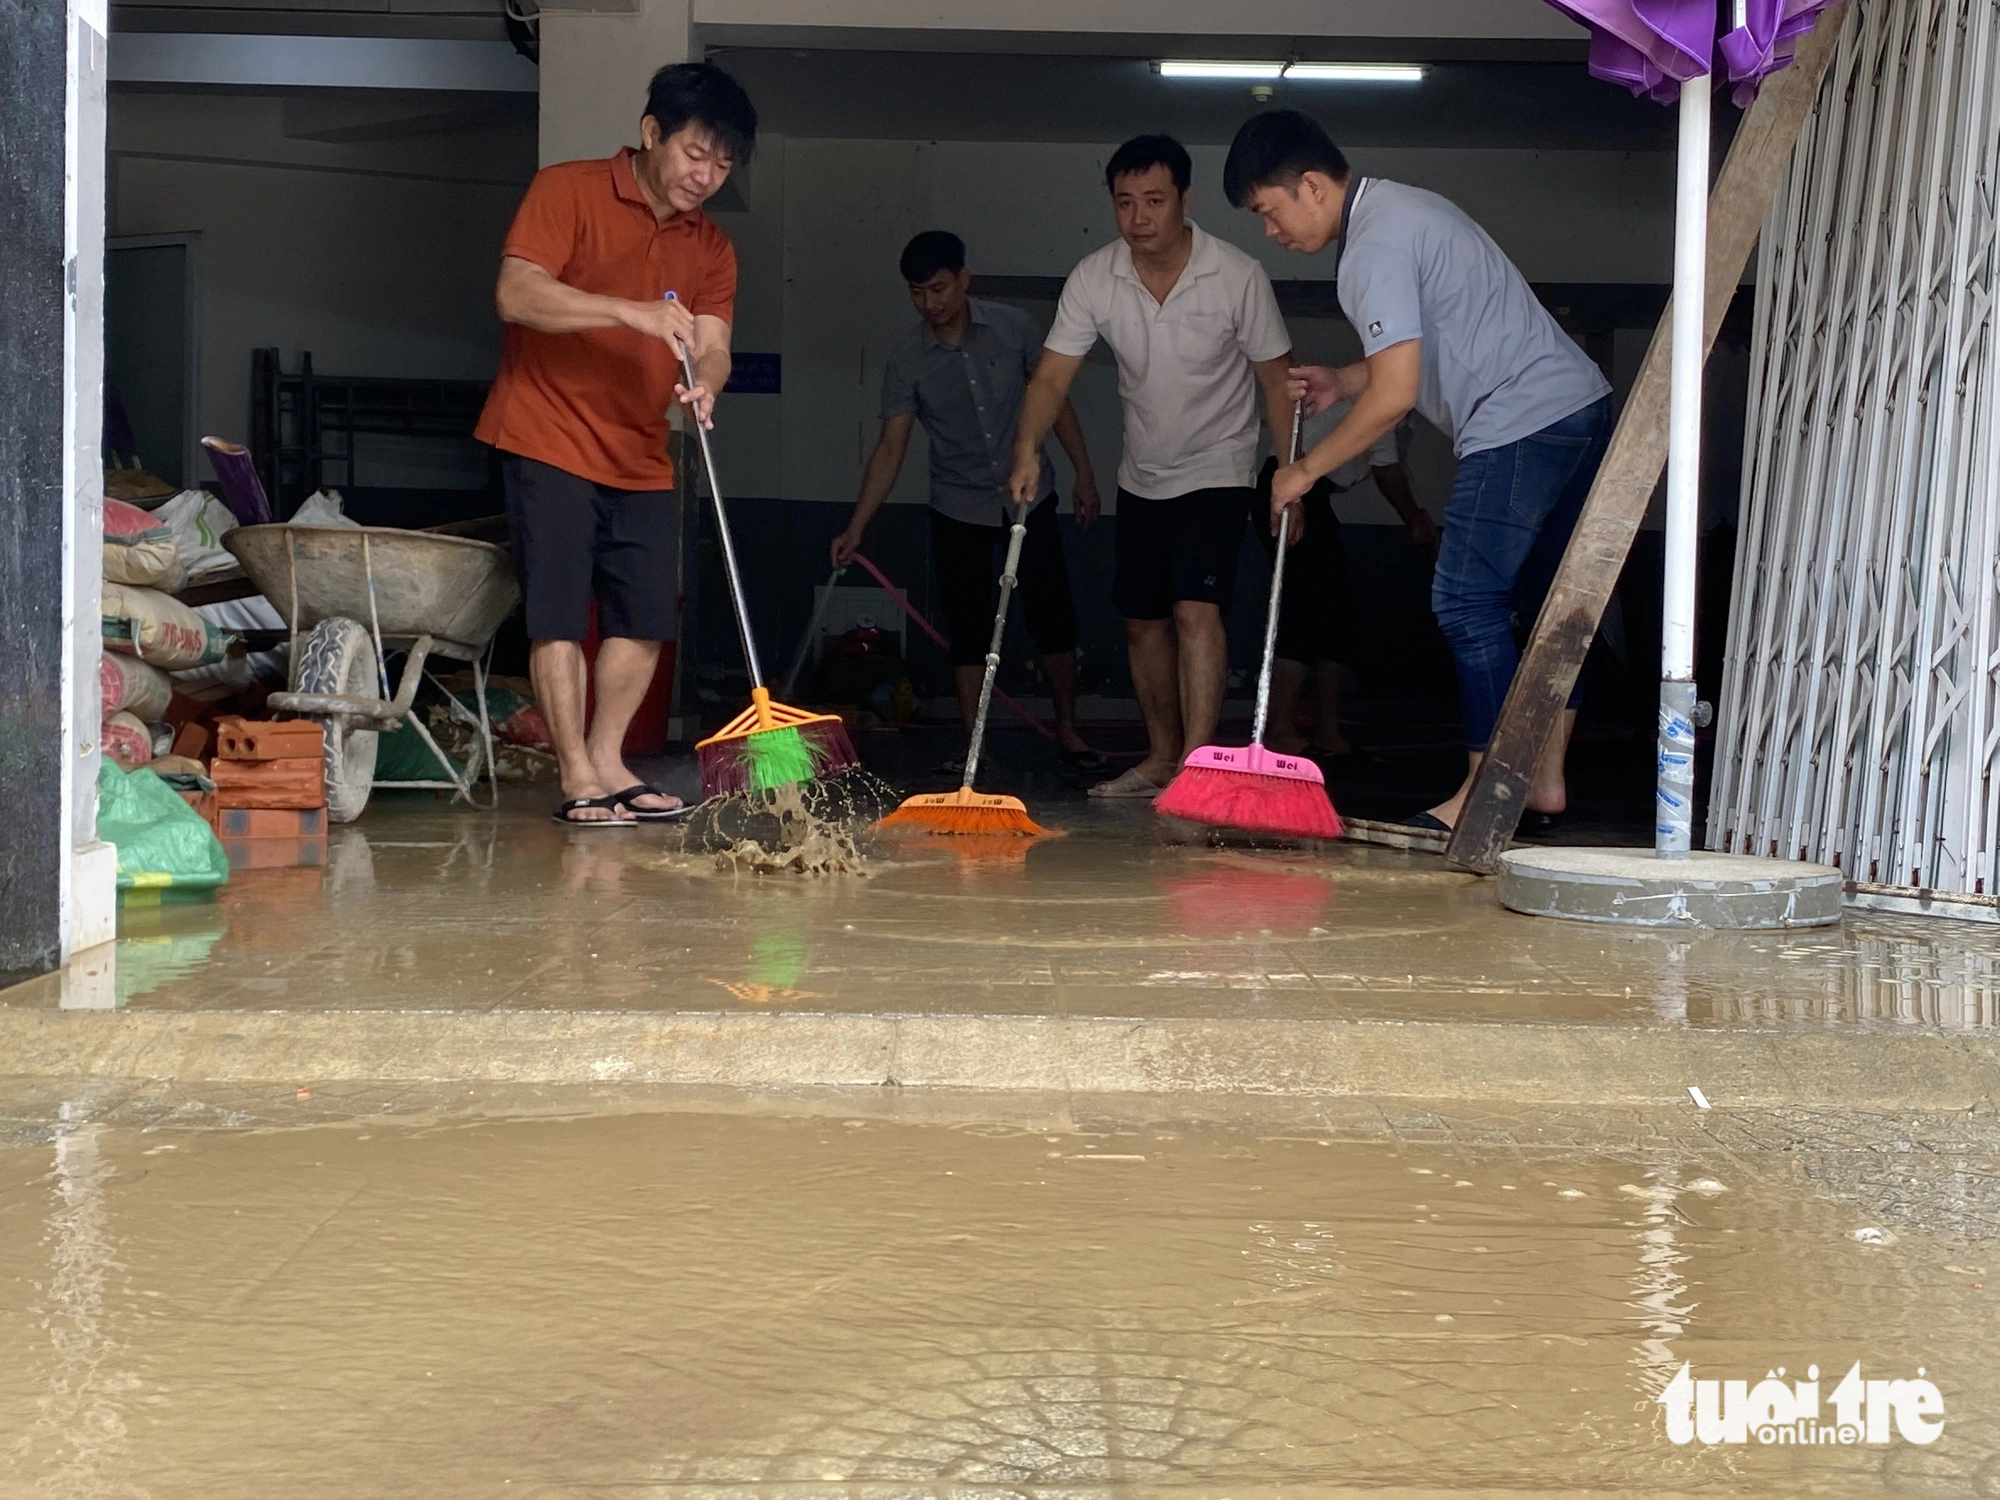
1255,760
1254,789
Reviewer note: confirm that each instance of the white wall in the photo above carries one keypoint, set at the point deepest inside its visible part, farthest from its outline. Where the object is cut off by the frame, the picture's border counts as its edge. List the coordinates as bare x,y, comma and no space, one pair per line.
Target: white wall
1030,209
379,255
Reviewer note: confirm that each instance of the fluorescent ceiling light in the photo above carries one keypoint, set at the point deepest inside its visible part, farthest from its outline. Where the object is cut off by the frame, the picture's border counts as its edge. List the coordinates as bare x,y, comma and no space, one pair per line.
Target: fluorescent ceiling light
1325,72
1304,72
1187,69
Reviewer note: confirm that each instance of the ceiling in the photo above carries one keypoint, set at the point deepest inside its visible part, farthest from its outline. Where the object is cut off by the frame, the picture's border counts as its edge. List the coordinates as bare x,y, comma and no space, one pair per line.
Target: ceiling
988,96
1511,93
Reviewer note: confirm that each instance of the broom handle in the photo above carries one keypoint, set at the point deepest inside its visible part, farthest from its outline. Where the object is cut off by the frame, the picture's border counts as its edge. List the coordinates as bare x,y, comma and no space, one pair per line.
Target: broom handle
722,529
1277,588
1007,574
805,641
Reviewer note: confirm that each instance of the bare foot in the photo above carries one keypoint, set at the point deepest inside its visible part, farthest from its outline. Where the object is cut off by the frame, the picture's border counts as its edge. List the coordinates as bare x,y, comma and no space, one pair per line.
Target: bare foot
1541,800
1329,738
1287,742
1553,798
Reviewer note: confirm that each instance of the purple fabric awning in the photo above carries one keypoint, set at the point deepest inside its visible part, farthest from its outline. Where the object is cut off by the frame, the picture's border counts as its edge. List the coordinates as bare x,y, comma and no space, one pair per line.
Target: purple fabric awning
1654,46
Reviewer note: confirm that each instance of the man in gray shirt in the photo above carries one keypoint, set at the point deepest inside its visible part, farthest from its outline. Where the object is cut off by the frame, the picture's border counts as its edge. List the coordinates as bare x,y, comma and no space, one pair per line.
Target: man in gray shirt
1452,330
960,372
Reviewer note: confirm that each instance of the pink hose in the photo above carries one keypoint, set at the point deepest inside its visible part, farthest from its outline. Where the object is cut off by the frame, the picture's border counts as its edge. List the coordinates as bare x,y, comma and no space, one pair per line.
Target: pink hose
903,602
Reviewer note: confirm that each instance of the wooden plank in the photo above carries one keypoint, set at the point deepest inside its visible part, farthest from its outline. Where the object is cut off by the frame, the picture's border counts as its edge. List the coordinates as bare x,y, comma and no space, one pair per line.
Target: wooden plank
1391,835
1758,159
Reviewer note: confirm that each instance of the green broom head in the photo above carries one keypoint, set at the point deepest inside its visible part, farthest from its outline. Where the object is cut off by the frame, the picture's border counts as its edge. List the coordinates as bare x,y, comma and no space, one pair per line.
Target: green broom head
774,758
771,745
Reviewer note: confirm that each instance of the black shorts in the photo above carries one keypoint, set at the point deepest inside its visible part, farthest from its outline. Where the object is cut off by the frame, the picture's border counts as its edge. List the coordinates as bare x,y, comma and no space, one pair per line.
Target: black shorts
1183,548
965,559
575,540
1316,615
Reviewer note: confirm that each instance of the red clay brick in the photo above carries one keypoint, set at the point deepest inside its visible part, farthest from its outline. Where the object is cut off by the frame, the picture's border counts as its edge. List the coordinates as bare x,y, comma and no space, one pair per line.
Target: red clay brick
268,739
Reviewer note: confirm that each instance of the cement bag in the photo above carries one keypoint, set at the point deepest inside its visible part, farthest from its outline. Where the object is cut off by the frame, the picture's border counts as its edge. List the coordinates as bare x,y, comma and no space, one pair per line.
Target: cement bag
136,686
238,672
127,740
161,840
199,522
139,549
322,508
159,629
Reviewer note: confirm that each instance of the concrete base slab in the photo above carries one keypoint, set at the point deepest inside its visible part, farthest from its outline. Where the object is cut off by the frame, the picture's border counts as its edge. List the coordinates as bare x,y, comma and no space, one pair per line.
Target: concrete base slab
1635,888
1516,1063
441,947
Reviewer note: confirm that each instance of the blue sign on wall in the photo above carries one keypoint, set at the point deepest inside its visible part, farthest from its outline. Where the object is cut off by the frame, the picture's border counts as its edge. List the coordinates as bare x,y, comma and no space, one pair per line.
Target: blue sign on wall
754,375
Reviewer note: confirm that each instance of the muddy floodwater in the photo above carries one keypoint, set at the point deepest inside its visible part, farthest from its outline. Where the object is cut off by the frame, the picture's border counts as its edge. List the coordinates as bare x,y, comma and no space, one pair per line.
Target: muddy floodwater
420,907
709,1304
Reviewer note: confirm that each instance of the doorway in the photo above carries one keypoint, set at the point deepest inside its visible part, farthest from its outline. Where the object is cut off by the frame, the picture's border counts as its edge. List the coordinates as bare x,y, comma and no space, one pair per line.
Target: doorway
152,304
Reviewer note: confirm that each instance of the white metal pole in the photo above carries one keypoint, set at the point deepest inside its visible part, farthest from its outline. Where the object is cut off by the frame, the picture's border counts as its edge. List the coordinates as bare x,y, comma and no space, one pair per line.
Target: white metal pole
1675,794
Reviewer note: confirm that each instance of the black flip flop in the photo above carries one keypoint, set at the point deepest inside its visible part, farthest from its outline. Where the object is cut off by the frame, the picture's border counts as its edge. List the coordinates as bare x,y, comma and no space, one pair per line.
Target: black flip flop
608,804
631,794
1092,762
1533,822
1423,821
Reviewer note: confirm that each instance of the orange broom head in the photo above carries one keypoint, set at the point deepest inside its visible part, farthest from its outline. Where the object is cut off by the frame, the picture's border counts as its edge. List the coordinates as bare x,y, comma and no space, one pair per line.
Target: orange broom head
982,854
1254,789
765,712
964,812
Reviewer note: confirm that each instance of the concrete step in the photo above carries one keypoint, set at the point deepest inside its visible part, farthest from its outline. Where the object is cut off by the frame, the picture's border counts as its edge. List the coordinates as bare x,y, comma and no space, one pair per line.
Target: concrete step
1515,1062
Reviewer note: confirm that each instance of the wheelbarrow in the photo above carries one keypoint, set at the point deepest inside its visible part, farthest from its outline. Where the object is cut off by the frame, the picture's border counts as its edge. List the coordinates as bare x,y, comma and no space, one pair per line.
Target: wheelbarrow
353,594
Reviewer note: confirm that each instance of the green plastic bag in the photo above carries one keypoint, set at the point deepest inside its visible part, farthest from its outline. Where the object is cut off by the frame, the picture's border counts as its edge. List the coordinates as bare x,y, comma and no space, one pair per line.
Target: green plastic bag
162,842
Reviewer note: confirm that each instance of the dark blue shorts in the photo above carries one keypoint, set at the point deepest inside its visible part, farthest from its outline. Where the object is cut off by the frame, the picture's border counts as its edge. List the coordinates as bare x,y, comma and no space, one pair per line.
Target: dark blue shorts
575,540
1179,549
965,561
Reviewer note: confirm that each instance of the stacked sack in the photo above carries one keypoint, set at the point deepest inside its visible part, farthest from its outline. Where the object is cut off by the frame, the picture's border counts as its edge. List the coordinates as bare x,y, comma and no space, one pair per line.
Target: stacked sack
147,632
269,803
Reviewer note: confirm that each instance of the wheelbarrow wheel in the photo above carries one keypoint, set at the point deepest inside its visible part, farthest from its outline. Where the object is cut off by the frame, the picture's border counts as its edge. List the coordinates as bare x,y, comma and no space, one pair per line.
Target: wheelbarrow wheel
339,657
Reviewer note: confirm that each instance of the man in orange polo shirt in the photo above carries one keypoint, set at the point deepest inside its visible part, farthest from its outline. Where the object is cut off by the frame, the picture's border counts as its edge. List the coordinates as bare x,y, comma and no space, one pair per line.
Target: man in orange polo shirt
610,268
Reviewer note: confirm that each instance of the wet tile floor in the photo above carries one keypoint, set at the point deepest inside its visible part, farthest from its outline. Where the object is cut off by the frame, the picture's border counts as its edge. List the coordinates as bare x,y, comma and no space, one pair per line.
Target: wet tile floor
421,907
833,1303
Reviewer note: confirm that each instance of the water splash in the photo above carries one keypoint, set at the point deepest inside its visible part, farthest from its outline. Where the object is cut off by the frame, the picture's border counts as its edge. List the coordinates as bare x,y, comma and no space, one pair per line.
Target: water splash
818,827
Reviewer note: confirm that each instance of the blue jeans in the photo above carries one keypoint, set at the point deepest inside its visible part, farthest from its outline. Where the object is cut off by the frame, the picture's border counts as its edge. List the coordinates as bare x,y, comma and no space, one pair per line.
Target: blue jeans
1511,512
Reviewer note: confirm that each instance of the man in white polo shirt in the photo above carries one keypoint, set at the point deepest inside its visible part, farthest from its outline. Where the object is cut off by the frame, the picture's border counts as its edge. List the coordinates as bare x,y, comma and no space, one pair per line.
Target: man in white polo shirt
1450,328
1195,328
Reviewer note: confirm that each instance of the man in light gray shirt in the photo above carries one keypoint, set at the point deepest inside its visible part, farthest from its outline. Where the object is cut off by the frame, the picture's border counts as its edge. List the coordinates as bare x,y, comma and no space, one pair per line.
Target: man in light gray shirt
1202,354
960,373
1452,330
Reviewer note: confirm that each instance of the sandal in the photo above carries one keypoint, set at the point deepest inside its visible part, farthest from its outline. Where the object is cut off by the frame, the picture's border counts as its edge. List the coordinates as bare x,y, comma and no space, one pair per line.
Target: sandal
631,795
1425,822
1092,762
1129,785
576,804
